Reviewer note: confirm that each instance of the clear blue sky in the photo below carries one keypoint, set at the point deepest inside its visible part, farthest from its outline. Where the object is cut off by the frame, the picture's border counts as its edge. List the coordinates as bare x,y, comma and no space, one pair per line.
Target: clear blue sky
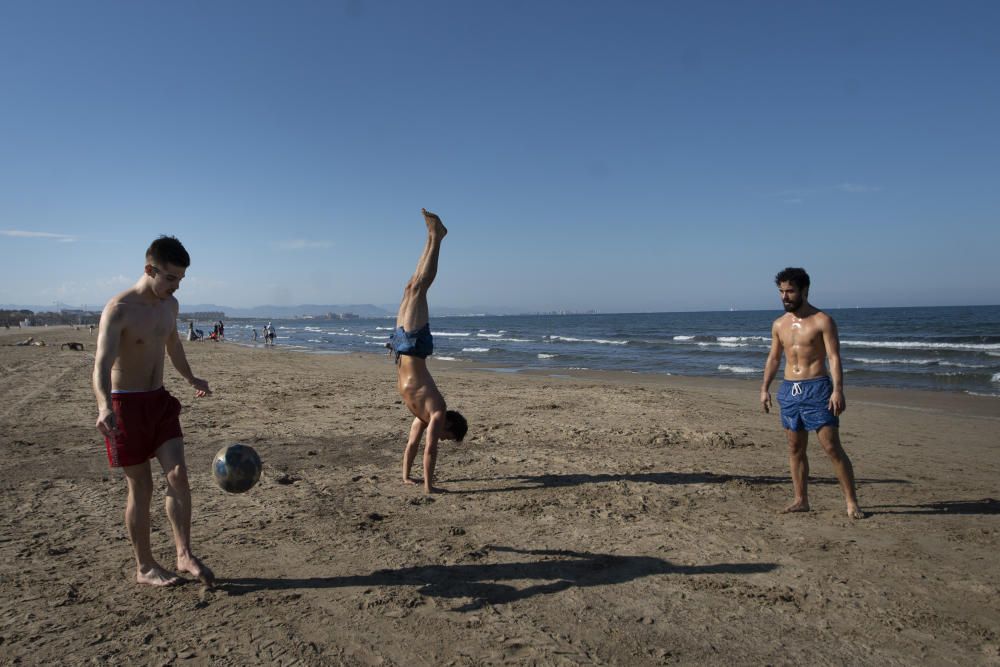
620,156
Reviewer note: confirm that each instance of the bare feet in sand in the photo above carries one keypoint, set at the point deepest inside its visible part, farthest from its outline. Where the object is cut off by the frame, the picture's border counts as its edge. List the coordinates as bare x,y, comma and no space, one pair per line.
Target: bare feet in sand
797,506
191,565
434,224
854,512
409,481
154,575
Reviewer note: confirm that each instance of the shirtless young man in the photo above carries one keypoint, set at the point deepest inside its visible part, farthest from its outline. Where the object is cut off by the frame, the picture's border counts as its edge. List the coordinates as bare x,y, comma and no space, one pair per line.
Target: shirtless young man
811,398
412,344
137,416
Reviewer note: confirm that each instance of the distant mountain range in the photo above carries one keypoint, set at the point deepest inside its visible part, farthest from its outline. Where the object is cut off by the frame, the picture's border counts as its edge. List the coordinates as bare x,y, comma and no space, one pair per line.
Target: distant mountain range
287,312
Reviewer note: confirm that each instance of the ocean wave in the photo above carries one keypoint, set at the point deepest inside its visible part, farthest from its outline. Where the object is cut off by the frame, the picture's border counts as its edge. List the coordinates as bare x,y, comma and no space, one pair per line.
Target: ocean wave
385,328
915,362
542,355
475,349
600,341
683,337
515,340
487,335
717,344
739,370
451,334
921,345
919,362
980,393
995,378
445,358
737,339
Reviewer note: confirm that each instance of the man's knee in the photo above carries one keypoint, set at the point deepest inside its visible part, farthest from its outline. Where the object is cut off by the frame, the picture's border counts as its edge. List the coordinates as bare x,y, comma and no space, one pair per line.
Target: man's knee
797,441
177,478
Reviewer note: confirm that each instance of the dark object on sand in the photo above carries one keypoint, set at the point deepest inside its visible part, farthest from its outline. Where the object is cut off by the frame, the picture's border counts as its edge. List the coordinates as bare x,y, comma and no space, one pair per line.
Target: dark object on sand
76,347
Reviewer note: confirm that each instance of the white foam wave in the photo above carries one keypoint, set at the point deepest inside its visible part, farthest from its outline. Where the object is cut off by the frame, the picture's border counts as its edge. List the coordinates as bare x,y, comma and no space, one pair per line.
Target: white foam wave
385,328
979,393
916,362
739,370
599,341
705,344
867,360
546,356
475,349
451,334
995,378
487,335
446,358
683,337
515,340
738,339
920,345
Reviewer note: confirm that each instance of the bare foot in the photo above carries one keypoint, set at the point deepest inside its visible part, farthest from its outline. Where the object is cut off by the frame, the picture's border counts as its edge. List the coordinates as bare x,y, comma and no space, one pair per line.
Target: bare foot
192,565
431,490
154,575
434,224
854,512
797,506
411,482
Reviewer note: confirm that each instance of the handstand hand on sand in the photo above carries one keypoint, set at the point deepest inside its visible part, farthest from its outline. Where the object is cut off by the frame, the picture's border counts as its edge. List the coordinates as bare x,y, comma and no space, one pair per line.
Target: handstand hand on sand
412,343
810,397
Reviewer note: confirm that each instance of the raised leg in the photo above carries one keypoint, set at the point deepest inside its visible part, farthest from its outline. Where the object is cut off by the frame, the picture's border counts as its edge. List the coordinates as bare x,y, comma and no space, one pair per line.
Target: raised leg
829,437
140,495
798,463
413,313
178,507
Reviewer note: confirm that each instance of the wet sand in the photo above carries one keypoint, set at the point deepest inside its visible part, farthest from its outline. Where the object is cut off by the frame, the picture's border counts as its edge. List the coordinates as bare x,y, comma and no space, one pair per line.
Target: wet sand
592,518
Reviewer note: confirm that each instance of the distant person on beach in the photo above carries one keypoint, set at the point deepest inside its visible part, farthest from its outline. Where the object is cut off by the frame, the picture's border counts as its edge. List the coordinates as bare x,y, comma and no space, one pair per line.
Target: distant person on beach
412,343
811,397
138,418
255,335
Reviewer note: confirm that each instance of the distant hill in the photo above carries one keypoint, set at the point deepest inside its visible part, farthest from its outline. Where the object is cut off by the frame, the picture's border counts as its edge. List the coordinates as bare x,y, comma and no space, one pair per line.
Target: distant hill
283,312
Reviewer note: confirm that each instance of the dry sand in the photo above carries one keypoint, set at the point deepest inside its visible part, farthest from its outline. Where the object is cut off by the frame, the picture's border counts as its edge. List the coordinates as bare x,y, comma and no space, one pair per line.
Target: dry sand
595,518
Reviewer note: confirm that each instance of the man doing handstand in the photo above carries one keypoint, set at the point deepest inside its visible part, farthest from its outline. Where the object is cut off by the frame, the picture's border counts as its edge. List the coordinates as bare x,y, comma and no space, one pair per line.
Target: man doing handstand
412,343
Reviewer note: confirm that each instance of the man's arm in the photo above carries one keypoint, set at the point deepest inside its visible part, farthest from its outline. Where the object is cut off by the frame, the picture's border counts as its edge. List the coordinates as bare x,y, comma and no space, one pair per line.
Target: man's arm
108,339
771,367
831,341
175,350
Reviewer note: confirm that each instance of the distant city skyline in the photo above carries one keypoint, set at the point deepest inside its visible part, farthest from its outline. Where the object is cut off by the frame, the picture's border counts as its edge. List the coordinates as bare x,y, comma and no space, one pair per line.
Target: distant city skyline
629,157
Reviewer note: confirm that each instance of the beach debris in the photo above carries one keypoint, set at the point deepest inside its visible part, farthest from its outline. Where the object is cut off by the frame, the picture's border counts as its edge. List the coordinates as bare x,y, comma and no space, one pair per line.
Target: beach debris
76,347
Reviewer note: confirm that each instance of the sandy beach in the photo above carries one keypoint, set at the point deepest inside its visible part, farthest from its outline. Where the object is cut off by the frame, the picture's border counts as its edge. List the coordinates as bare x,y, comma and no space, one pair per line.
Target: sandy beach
591,518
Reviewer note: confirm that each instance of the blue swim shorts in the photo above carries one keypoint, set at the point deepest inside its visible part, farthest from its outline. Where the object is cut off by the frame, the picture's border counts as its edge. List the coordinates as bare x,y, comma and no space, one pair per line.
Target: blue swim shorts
805,404
417,343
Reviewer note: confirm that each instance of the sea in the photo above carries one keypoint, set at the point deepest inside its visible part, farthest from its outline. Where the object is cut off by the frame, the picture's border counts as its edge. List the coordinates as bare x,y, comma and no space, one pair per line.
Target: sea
954,348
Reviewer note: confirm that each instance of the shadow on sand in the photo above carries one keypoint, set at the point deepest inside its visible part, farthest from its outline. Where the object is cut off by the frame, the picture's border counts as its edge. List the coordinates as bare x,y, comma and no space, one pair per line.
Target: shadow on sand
555,571
526,482
984,506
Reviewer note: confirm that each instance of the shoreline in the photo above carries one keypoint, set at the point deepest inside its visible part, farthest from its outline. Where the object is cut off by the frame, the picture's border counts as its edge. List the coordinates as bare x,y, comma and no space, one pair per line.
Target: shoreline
927,400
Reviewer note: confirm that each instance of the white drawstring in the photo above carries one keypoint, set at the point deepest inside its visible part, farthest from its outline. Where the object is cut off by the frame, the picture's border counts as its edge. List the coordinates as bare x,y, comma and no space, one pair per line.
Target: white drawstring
796,389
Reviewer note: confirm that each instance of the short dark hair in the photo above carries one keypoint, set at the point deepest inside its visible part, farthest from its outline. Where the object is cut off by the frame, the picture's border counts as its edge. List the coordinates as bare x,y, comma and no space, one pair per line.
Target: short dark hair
167,249
456,424
795,276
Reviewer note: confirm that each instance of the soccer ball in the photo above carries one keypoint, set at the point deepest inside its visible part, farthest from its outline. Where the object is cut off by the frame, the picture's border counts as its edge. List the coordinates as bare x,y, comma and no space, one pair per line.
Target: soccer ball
236,468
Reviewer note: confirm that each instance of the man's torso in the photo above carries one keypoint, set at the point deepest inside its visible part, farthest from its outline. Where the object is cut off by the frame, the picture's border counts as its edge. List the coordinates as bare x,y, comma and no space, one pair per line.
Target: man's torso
417,388
145,330
802,340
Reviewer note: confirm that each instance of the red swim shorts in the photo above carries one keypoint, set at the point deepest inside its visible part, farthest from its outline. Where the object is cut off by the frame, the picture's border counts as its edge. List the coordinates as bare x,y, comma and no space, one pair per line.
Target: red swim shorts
146,420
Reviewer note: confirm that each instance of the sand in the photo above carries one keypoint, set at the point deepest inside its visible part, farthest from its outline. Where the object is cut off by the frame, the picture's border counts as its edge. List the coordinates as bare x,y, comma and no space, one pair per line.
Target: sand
592,518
